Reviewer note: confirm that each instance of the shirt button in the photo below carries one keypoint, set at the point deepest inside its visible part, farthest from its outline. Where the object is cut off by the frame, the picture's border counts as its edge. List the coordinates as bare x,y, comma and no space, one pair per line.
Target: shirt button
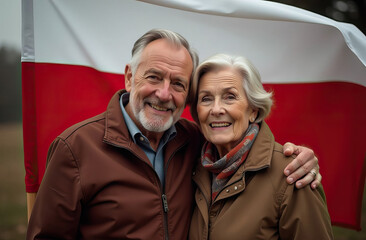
141,139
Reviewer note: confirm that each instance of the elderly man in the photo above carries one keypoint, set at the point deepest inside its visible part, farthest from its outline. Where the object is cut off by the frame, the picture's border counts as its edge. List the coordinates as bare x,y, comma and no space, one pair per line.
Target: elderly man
126,173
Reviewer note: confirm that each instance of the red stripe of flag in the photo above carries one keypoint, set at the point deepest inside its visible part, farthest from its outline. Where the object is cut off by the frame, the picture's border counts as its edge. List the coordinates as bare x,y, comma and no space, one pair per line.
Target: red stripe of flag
330,118
56,96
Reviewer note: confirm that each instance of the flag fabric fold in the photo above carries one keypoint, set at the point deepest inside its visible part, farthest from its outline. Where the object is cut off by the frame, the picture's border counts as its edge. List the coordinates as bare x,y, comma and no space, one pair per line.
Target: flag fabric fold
272,11
74,53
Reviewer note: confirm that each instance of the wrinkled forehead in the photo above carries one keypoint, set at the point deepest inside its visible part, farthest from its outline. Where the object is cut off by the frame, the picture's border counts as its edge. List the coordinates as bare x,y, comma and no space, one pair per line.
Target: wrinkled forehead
169,56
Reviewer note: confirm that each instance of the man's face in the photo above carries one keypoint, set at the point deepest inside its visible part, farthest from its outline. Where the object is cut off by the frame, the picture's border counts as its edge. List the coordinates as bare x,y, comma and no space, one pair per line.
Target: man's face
159,88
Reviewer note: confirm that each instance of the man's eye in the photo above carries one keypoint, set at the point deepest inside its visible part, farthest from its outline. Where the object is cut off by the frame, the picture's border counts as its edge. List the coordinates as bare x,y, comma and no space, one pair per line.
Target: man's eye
153,77
180,85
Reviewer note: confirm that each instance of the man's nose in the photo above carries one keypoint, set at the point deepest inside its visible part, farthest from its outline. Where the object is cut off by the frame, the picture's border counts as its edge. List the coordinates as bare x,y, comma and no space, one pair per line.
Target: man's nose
164,91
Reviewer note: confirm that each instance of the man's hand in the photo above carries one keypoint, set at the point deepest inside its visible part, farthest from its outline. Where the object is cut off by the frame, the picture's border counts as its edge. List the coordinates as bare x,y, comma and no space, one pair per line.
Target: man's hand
304,166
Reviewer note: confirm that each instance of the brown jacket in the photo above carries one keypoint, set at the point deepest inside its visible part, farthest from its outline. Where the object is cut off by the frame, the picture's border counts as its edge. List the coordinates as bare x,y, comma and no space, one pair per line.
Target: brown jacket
100,185
257,202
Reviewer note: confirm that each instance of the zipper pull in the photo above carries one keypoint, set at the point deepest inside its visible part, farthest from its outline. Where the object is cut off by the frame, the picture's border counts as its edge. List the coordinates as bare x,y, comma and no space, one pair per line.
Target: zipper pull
165,203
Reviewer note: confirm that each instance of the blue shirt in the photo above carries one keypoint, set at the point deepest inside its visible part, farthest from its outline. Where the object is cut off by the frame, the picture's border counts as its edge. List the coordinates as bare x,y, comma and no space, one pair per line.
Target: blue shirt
156,157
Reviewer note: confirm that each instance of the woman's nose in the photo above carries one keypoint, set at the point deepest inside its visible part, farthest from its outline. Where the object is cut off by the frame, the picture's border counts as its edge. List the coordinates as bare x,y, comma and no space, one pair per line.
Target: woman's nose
217,108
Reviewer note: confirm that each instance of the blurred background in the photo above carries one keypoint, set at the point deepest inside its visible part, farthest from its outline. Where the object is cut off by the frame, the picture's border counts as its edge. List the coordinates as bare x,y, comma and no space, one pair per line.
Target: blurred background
13,213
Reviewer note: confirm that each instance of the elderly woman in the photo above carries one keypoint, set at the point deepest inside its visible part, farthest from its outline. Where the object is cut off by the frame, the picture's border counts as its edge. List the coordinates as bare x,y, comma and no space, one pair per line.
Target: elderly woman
242,192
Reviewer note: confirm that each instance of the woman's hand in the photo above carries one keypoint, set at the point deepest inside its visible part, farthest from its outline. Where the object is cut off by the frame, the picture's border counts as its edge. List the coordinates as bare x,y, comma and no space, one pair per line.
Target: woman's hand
304,167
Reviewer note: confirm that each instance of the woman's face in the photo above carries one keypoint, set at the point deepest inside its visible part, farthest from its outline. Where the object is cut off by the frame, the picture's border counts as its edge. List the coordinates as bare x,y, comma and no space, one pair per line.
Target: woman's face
223,109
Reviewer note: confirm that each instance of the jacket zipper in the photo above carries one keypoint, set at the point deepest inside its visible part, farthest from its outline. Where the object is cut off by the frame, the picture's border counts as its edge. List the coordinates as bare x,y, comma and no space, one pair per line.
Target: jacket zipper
166,209
164,197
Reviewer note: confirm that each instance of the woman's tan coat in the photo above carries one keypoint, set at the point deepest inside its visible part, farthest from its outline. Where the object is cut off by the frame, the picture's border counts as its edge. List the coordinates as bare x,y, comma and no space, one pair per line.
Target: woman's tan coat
257,202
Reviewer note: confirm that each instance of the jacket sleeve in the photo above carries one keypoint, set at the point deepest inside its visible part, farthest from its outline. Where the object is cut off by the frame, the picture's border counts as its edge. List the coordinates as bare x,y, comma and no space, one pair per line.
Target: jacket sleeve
304,214
57,209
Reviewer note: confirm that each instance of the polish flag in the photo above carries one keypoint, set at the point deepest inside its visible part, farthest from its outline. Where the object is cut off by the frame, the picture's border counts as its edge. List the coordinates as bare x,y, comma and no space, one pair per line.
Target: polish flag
74,53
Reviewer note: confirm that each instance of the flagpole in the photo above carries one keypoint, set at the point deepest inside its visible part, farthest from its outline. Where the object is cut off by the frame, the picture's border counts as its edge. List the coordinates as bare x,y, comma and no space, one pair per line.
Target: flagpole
31,198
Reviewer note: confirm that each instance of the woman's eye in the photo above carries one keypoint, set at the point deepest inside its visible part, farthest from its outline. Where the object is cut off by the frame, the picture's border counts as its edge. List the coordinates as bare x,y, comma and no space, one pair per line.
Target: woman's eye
205,99
230,96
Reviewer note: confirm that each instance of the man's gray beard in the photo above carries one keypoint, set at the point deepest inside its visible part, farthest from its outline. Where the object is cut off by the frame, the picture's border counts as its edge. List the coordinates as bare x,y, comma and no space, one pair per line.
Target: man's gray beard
156,125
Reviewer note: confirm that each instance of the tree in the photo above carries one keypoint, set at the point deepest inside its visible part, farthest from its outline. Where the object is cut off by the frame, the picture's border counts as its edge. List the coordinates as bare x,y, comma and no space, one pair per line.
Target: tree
350,11
10,85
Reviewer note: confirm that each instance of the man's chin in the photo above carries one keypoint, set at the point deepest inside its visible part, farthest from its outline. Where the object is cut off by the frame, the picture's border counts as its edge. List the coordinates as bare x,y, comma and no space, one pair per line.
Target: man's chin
156,125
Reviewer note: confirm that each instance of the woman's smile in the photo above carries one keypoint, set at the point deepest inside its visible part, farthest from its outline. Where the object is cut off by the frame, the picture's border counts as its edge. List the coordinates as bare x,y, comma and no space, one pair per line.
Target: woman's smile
220,124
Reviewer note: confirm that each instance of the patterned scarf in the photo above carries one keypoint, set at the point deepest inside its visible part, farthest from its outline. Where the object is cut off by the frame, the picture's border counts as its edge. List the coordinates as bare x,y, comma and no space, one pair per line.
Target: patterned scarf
222,169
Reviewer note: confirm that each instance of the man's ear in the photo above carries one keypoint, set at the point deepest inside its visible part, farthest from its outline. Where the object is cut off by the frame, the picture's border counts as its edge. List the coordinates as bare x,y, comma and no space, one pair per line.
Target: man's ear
128,77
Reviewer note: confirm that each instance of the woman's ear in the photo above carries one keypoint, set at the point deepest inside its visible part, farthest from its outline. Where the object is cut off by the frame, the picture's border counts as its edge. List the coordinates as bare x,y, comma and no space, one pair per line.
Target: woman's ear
253,116
128,77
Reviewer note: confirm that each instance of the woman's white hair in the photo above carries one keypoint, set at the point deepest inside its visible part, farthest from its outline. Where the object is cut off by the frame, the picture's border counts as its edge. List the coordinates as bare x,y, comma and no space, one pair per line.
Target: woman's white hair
258,98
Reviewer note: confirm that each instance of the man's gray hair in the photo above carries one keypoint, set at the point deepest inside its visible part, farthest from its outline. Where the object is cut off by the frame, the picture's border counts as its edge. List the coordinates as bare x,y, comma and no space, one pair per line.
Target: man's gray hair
155,34
258,98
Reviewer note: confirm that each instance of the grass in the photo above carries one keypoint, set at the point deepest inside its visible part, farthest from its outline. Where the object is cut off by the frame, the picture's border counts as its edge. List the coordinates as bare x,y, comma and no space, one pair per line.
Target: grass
13,209
13,214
